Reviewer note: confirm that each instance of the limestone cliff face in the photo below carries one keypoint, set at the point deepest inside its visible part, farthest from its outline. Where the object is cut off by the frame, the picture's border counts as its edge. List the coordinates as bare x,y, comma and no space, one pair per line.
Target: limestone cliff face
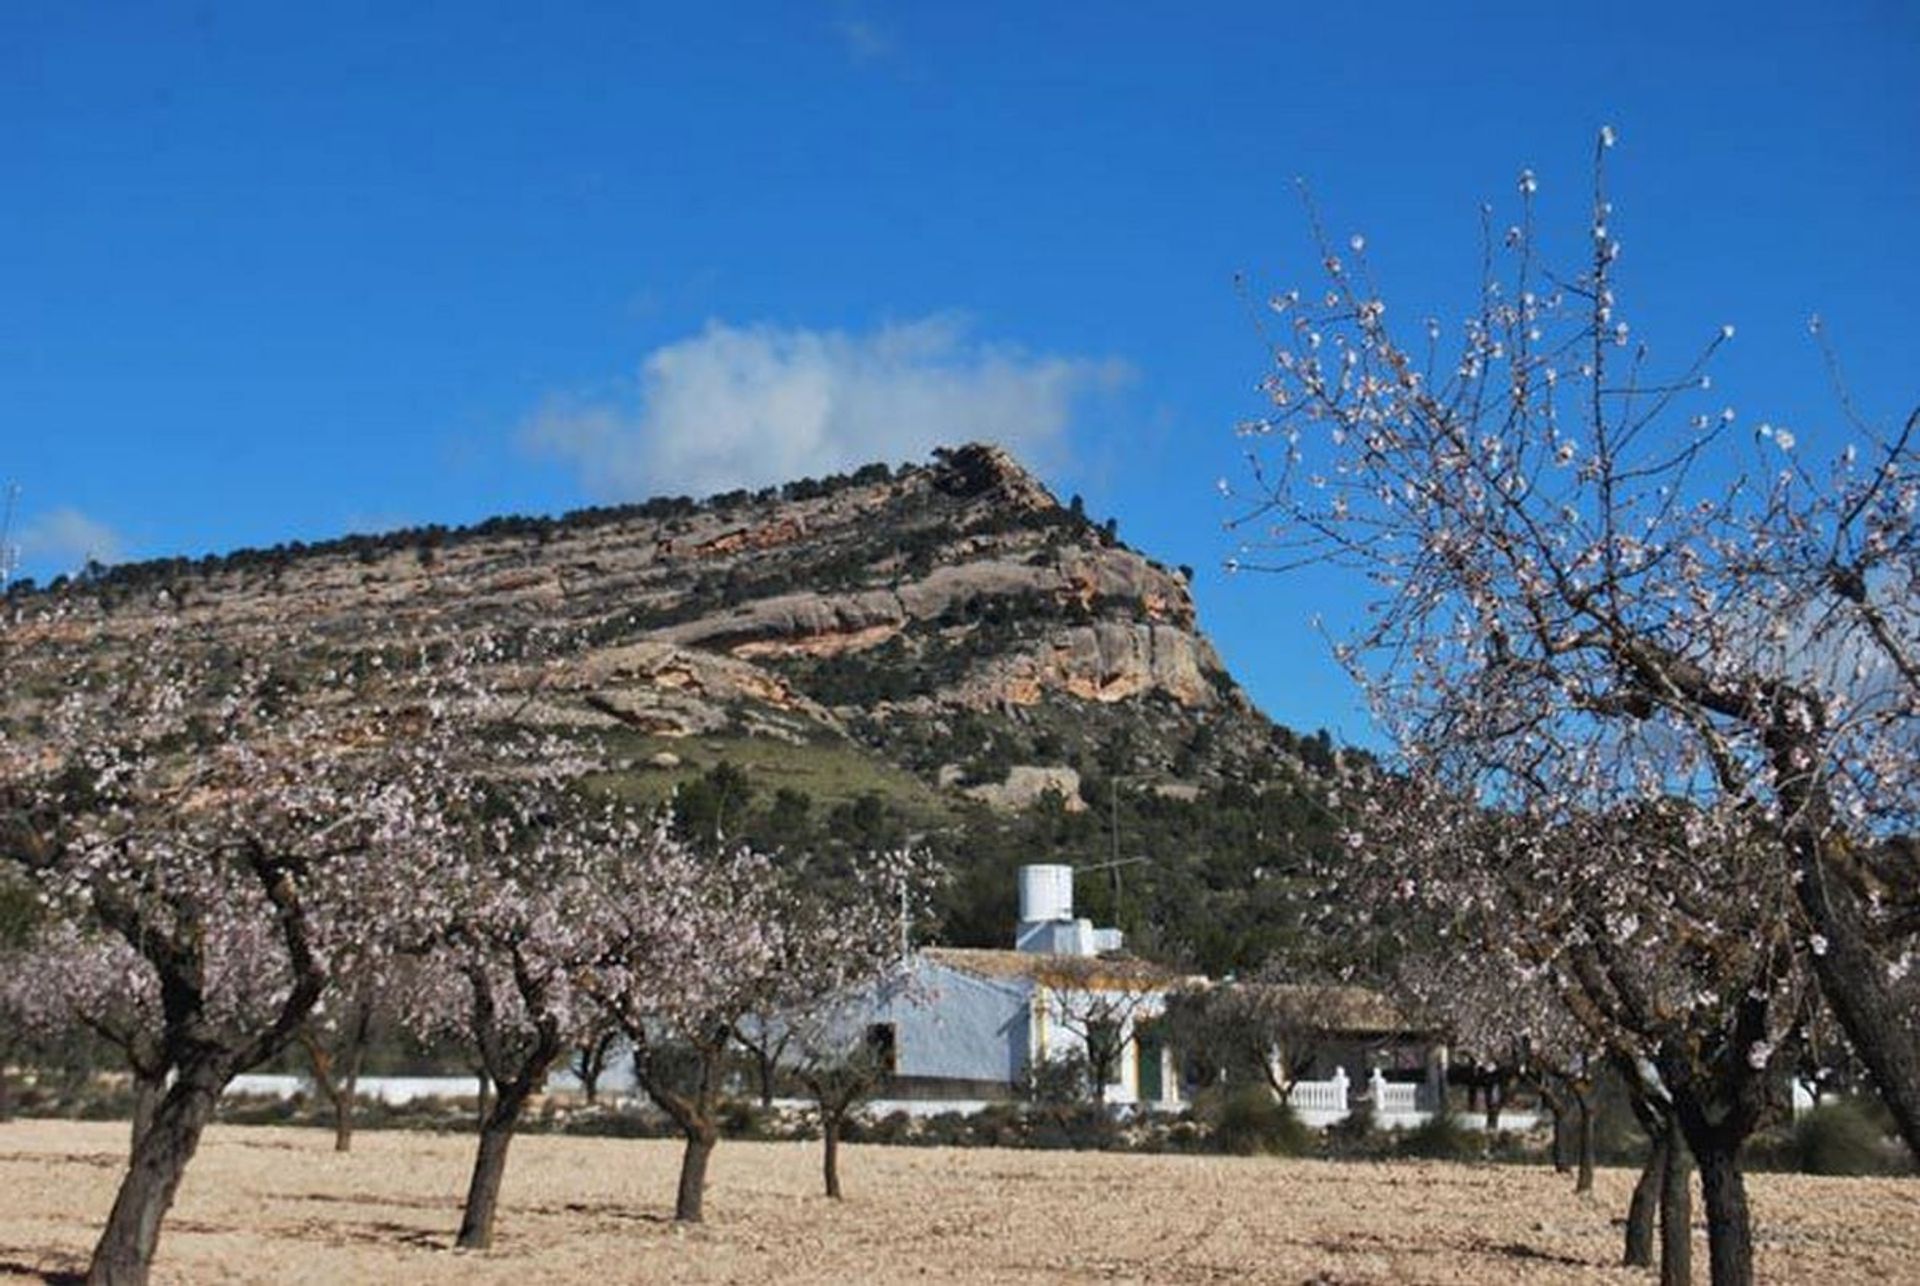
875,605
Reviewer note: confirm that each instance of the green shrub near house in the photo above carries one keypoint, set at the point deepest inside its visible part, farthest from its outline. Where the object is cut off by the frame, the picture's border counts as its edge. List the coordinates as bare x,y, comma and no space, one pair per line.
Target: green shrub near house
1247,1120
1836,1138
1442,1137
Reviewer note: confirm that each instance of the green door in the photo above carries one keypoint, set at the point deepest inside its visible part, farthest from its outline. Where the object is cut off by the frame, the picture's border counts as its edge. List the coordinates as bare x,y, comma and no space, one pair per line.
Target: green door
1149,1046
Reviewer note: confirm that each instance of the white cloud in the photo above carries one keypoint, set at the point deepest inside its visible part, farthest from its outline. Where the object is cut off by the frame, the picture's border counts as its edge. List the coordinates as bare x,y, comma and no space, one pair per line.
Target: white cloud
65,539
752,406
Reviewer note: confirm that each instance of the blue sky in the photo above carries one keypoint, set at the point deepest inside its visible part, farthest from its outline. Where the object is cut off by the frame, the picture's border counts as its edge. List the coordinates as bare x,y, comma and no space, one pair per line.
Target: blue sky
274,272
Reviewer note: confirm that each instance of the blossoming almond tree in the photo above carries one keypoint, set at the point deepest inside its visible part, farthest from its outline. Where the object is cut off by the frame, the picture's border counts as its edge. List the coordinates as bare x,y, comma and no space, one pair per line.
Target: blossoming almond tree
718,937
511,925
847,959
335,1038
1573,568
65,980
1658,929
1589,603
238,813
1498,1008
684,963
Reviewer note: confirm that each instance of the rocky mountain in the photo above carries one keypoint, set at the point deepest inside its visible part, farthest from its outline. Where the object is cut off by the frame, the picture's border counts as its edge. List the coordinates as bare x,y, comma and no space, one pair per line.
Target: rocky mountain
941,649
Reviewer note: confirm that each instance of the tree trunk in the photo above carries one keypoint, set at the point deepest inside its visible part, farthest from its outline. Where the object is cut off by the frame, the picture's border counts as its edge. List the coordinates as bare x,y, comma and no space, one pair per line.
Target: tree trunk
590,1064
1583,1115
124,1254
6,1092
1729,1224
1852,981
1851,977
346,1090
1493,1112
1676,1215
1643,1207
1560,1165
343,1115
590,1086
148,1089
484,1102
764,1063
489,1167
830,1132
693,1171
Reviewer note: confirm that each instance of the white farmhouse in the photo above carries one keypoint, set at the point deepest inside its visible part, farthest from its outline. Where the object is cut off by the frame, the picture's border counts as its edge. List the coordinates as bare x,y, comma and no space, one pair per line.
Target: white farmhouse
973,1022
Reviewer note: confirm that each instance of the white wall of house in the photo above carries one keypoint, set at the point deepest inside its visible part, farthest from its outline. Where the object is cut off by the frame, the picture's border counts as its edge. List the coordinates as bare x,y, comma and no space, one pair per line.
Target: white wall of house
952,1025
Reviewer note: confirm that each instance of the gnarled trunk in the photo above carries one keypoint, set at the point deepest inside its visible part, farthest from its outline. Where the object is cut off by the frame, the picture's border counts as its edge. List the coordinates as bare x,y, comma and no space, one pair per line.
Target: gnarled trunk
830,1158
336,1068
124,1254
1729,1223
1557,1109
689,1202
1851,977
1583,1118
763,1064
590,1064
148,1089
1676,1215
1645,1206
1853,983
343,1091
692,1111
489,1167
343,1115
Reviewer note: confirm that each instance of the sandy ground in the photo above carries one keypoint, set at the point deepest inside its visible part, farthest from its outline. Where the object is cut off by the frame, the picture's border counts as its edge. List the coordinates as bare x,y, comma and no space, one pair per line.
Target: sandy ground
264,1204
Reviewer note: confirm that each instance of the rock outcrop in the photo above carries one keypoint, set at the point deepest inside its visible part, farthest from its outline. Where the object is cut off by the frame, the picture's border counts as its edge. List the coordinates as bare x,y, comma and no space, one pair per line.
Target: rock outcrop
870,606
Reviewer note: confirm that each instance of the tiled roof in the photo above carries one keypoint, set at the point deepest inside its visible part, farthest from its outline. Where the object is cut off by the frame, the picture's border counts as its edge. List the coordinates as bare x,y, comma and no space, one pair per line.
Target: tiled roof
1085,973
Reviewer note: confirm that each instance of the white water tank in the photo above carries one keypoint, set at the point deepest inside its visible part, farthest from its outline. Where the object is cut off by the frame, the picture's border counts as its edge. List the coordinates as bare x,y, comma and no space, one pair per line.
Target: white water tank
1046,893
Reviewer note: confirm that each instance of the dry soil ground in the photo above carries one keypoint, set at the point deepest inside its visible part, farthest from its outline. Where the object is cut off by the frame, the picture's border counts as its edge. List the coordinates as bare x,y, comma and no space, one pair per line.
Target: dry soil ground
262,1204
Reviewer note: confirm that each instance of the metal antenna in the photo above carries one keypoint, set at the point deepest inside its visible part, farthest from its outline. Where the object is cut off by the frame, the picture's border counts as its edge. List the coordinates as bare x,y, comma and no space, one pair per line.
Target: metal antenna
1113,866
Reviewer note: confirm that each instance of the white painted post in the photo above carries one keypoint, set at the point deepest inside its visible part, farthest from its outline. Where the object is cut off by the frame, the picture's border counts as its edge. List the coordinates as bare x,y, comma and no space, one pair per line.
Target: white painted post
1340,1084
1377,1091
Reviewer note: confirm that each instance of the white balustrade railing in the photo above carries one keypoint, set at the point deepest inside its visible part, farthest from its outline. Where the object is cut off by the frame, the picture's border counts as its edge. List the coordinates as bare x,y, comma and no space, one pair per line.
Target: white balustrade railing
1392,1098
1321,1096
1331,1098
